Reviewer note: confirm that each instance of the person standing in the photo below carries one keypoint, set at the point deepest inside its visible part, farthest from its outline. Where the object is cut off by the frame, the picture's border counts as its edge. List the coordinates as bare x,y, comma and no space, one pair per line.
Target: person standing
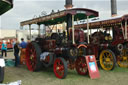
16,54
23,46
4,49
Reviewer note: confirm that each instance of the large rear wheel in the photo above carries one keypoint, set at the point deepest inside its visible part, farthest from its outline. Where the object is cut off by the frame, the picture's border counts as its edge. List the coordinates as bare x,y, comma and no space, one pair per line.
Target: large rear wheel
107,60
33,52
81,66
60,68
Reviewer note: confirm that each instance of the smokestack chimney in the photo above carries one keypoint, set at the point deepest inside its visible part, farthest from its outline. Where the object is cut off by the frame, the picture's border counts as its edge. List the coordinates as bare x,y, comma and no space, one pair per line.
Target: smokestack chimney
113,8
68,4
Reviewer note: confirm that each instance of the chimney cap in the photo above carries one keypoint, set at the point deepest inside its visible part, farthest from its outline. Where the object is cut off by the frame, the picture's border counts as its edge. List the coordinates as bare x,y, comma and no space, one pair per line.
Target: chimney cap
68,4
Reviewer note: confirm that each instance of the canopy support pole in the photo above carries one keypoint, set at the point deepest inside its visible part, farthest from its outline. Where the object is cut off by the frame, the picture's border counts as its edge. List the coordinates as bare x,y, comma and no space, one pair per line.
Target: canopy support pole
30,31
39,29
73,37
88,29
56,28
122,30
126,36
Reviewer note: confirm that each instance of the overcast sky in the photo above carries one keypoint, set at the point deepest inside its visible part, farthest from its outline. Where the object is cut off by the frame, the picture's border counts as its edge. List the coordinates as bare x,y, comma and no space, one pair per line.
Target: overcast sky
27,9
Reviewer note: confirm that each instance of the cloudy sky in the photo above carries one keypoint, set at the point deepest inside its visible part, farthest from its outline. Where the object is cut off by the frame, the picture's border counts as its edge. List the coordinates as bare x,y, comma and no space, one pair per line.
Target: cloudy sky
27,9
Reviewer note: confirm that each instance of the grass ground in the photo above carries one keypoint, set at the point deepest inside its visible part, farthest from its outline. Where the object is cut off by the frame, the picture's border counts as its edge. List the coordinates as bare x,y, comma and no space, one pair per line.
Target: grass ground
119,76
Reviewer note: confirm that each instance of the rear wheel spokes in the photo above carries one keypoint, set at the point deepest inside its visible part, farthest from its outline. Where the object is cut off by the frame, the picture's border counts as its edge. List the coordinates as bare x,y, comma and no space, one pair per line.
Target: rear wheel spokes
107,59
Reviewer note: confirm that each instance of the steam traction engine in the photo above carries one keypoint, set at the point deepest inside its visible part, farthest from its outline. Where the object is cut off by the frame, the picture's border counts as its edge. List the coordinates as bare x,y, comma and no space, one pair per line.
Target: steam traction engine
64,49
109,42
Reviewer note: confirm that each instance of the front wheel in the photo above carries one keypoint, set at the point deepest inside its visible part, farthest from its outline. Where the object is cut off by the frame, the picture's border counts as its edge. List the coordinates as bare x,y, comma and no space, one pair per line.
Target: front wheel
107,60
60,68
1,74
81,66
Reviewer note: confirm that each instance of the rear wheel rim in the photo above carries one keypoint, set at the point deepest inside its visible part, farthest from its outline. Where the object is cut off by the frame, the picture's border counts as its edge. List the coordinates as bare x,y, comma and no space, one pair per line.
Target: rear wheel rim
122,60
81,66
31,57
106,60
59,68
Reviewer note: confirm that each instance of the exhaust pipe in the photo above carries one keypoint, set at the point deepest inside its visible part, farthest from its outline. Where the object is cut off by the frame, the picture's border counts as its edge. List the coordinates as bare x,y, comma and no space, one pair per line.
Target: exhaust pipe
113,8
68,4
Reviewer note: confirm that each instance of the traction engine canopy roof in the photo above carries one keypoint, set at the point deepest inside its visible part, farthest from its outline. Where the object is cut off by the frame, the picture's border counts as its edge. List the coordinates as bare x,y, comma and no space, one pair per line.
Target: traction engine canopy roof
104,23
59,17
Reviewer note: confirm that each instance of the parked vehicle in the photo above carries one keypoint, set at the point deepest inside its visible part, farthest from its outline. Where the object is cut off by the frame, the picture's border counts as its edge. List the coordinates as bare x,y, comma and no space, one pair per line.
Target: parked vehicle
109,42
60,49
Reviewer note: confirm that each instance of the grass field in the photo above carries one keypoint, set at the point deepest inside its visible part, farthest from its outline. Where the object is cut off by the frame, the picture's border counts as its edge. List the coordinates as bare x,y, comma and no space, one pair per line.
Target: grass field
119,76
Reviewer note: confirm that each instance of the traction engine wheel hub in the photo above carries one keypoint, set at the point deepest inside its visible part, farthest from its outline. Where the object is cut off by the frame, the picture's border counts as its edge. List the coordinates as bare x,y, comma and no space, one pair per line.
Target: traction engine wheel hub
107,59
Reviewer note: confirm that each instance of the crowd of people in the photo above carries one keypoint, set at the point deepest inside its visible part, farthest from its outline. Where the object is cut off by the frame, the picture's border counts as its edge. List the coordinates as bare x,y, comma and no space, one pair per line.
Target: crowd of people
18,47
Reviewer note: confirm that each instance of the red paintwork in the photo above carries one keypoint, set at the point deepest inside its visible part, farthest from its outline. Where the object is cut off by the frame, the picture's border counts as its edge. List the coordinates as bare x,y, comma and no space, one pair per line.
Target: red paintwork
49,44
92,49
30,51
81,65
58,68
93,71
78,34
118,37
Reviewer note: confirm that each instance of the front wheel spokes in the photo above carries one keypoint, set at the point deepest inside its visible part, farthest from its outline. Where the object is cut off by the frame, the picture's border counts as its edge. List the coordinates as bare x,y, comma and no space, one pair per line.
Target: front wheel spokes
81,66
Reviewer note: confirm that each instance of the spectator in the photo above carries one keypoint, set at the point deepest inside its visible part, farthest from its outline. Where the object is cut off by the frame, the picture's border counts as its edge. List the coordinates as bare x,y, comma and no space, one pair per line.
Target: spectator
23,46
16,53
4,49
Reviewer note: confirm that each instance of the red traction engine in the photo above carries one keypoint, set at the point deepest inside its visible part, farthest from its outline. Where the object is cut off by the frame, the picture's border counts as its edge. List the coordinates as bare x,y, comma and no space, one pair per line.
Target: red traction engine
63,49
56,51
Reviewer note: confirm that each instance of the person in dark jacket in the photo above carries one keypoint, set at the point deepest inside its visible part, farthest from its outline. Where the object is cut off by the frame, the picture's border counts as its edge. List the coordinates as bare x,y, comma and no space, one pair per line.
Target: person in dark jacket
16,54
